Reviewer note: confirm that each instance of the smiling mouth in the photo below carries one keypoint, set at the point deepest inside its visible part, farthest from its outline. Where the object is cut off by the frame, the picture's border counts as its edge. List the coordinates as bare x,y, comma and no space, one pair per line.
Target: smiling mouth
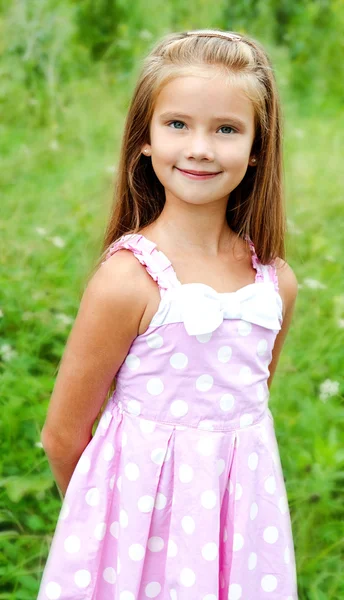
198,174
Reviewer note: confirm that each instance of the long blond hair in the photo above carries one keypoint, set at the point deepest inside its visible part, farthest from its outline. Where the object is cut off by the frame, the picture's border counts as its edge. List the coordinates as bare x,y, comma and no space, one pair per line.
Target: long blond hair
256,205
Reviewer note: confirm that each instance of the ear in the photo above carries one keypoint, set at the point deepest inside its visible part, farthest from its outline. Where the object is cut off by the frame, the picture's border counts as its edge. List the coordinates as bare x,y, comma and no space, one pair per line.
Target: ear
146,150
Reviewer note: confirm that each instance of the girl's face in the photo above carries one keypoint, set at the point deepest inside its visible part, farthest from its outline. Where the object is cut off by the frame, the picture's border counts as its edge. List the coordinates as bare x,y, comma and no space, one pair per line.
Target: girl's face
202,124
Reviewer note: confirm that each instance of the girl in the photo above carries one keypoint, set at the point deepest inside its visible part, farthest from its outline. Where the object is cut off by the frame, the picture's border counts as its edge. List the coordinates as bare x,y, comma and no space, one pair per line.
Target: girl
180,492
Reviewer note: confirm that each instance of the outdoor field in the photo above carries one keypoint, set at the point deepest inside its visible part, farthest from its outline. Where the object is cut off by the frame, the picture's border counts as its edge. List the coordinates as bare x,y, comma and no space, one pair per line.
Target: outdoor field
67,71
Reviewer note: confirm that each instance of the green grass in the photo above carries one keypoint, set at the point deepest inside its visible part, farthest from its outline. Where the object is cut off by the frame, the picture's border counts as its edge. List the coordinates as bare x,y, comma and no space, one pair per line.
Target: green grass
57,181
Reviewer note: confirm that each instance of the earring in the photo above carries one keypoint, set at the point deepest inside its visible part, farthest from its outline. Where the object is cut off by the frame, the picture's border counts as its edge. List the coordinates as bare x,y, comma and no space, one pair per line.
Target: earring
145,150
253,160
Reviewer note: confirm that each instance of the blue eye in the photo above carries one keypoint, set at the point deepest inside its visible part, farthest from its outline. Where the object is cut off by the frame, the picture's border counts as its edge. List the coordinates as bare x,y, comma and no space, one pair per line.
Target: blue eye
178,122
227,127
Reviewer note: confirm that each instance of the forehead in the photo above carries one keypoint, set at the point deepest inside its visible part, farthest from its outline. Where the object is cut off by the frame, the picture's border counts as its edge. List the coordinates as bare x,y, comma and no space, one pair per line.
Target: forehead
204,93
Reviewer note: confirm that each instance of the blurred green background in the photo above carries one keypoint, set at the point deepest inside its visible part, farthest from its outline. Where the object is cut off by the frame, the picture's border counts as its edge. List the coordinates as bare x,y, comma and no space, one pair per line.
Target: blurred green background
67,71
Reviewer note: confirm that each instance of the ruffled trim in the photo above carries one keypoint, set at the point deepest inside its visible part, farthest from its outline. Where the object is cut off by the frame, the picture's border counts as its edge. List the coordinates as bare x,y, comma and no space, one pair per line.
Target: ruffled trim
257,266
157,264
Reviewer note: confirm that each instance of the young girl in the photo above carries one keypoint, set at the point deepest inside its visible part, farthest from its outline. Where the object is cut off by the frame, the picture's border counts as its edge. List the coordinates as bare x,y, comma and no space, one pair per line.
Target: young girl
180,494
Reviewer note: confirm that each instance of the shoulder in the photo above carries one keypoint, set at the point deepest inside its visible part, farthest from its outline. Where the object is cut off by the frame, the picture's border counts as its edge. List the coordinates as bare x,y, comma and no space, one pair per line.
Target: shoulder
287,282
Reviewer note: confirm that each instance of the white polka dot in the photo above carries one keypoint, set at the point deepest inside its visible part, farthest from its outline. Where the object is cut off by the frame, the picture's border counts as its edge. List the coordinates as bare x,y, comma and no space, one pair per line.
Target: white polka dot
269,583
173,594
261,392
160,501
109,575
147,426
105,419
270,485
204,383
64,511
245,374
206,424
133,362
158,455
208,499
253,511
270,534
155,543
124,439
154,340
93,497
188,524
153,589
179,408
234,591
114,529
172,549
109,451
53,590
244,328
145,504
238,542
132,471
287,555
253,461
72,544
220,466
205,446
123,518
246,420
84,464
112,482
187,577
155,386
238,491
283,504
119,482
126,595
179,360
186,473
100,530
227,402
134,407
210,551
136,552
252,561
82,578
203,338
262,347
224,354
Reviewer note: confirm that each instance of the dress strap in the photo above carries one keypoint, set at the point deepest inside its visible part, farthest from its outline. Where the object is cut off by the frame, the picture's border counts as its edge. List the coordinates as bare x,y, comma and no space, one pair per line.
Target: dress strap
264,272
158,266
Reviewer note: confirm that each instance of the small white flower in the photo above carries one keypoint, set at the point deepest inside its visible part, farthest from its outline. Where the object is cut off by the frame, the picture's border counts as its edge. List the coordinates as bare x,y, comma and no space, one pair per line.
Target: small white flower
110,169
38,444
328,388
7,352
54,145
1,314
41,230
314,284
65,319
57,241
341,323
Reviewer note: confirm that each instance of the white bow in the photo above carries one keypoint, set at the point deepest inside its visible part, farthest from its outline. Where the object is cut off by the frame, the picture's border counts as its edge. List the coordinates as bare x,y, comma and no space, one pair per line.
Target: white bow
203,309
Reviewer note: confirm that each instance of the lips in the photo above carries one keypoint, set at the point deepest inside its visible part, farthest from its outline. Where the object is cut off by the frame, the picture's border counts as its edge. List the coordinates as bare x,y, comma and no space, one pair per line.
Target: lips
198,172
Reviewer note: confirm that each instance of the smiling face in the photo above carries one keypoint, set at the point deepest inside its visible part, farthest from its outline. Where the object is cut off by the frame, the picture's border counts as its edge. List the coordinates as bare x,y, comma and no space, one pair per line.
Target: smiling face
201,123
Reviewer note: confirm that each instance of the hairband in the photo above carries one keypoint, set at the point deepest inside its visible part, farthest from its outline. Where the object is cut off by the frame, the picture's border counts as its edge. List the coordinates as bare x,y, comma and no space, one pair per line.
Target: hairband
210,33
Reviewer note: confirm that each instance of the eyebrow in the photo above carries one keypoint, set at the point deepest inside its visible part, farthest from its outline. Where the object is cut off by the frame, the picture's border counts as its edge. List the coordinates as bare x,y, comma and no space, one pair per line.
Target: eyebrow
224,119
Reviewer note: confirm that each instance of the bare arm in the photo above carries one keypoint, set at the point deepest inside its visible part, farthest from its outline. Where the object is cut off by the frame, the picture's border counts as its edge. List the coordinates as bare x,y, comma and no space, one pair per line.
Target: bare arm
288,290
104,329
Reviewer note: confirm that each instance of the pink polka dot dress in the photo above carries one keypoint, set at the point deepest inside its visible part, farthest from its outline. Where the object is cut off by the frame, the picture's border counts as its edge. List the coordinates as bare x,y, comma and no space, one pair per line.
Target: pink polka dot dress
180,493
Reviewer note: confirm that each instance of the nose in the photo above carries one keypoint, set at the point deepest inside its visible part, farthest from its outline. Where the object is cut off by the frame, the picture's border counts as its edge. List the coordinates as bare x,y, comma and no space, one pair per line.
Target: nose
199,147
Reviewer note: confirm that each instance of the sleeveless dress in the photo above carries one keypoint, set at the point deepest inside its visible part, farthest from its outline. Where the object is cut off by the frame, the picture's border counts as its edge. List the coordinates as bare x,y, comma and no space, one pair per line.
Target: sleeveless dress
180,493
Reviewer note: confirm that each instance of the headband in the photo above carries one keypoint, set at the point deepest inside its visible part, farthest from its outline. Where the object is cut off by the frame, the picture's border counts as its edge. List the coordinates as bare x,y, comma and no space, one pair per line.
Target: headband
210,33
